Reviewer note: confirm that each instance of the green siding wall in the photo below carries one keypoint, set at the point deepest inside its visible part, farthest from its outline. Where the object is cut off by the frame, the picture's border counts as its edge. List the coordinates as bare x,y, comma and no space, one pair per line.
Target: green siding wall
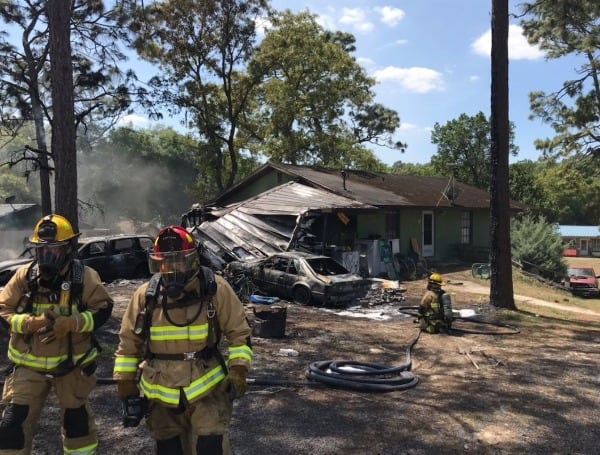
447,222
264,183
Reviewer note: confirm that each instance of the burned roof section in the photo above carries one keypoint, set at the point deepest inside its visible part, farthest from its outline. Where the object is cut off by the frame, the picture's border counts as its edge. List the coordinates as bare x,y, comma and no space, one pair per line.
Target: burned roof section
268,222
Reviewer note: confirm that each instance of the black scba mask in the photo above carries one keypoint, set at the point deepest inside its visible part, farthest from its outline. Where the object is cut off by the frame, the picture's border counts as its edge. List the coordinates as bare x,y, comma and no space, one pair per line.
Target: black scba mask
171,288
52,259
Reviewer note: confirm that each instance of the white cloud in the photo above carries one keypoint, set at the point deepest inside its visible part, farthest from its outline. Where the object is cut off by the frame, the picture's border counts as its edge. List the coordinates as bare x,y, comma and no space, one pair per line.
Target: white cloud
262,25
474,78
518,47
389,15
365,61
407,126
133,120
415,79
357,18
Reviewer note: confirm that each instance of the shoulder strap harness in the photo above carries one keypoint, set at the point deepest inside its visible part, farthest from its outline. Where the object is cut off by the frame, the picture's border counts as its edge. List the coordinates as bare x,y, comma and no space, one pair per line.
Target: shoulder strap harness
70,293
143,320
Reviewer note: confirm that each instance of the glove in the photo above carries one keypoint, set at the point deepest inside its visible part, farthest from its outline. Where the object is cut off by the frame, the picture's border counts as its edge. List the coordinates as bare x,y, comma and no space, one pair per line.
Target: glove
237,379
35,323
65,324
126,388
59,326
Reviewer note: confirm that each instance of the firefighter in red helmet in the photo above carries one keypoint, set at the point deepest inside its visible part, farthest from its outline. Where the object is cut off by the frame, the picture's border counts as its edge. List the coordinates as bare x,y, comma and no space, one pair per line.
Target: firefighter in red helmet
168,365
52,307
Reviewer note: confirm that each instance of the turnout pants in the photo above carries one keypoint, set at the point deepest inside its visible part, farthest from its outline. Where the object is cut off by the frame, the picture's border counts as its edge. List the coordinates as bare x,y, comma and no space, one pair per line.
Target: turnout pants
196,428
25,393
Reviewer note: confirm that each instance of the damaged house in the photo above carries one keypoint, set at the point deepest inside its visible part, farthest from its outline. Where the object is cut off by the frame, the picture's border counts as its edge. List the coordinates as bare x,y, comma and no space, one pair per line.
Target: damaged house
360,218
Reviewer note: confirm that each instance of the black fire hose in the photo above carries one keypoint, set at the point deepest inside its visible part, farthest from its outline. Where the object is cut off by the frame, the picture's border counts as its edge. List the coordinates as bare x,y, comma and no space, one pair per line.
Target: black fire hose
365,376
503,328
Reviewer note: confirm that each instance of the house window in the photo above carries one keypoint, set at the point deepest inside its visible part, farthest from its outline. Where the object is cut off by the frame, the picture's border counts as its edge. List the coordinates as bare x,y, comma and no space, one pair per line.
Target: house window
392,225
466,227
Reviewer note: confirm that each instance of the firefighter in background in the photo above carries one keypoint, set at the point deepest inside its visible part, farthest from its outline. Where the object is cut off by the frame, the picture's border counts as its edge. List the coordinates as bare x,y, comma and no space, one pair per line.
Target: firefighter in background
168,366
435,309
52,306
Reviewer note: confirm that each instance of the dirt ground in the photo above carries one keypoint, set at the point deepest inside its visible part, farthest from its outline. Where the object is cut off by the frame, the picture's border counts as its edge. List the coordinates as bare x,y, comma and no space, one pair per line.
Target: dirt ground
534,392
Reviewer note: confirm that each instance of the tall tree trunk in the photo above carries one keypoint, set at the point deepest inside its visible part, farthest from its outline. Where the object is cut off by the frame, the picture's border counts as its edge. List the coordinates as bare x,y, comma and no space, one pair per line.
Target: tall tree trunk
501,287
40,135
63,116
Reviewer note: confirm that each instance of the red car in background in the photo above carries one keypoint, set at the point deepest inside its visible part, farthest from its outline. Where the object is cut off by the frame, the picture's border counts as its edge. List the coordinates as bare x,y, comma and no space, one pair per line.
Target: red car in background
582,281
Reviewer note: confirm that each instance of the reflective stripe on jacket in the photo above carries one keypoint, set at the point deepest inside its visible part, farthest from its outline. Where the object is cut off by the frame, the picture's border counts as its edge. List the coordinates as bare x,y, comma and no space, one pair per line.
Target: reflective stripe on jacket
28,349
161,379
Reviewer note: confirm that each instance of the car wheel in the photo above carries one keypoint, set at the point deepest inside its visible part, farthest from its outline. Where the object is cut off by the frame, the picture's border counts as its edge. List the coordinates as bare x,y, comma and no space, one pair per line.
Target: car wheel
302,295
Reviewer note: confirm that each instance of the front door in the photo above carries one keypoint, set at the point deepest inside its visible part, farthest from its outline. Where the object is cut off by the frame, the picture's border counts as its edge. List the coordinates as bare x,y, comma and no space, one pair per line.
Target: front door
427,234
583,247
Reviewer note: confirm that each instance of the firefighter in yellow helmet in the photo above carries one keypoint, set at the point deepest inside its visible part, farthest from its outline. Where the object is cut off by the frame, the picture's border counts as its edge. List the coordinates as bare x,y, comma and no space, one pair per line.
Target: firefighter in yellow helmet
435,309
168,366
52,306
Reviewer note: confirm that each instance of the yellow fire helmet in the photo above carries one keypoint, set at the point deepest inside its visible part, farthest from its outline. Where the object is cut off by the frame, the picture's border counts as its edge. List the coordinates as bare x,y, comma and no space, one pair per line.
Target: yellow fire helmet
436,279
52,229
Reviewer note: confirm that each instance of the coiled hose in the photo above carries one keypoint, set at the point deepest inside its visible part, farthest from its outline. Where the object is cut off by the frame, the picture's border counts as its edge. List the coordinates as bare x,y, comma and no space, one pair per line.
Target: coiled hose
365,376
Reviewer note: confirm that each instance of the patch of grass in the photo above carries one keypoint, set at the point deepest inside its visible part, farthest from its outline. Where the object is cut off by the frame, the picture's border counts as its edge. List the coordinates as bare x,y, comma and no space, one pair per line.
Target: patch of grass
531,287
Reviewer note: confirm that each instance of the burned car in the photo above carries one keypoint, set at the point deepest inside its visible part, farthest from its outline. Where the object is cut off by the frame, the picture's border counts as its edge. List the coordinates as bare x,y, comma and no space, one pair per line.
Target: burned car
113,257
582,281
116,256
303,278
10,266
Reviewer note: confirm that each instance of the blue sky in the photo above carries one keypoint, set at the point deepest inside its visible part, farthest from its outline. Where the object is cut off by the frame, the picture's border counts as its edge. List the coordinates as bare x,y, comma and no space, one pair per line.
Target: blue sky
431,60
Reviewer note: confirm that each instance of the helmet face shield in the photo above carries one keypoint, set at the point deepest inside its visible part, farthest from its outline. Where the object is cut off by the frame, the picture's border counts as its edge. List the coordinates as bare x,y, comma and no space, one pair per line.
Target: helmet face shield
175,257
175,267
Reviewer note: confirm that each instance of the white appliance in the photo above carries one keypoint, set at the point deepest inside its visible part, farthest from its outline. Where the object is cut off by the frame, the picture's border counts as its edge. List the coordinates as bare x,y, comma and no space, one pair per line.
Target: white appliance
370,249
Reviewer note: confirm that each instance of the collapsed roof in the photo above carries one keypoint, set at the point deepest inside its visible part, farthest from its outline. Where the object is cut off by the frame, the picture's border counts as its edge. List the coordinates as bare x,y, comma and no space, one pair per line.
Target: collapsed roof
267,223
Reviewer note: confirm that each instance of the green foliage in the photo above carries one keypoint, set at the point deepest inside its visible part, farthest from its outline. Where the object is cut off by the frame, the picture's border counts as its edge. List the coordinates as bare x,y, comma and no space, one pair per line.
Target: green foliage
315,105
537,246
93,66
415,169
561,28
464,149
571,191
525,186
564,192
14,185
140,174
202,49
